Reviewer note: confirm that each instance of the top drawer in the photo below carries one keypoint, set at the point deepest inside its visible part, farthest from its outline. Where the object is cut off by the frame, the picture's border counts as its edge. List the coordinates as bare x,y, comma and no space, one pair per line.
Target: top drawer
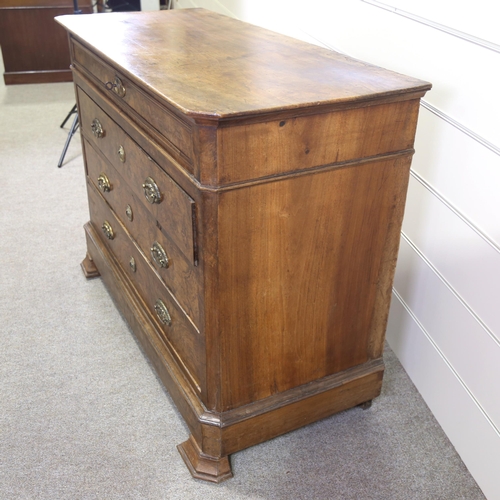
176,133
173,209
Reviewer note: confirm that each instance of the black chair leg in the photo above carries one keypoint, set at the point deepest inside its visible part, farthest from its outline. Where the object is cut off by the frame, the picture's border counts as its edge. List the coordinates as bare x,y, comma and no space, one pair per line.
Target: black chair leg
72,131
73,110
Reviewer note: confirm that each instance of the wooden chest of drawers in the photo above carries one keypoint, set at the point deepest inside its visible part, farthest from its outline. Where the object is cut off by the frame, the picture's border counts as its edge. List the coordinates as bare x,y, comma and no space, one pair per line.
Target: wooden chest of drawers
246,194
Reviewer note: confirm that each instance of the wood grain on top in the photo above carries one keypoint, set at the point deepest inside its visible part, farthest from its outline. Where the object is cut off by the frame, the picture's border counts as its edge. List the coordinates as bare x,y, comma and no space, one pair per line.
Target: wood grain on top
215,66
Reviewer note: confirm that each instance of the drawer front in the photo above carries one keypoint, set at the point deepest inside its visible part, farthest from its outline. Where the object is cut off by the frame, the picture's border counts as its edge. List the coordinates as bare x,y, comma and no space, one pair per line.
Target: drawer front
176,133
303,142
163,198
179,275
178,332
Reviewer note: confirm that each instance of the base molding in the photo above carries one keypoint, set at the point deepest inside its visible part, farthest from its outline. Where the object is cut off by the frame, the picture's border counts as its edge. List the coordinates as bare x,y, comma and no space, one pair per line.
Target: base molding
48,76
298,407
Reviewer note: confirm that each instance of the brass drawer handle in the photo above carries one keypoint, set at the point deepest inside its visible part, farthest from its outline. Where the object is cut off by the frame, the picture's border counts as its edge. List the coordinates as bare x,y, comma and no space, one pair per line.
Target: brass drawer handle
162,312
159,255
107,230
117,87
103,183
97,129
121,154
129,213
151,191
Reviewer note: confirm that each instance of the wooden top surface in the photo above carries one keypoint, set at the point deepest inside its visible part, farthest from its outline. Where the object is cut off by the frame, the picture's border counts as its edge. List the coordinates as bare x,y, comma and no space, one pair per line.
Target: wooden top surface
215,66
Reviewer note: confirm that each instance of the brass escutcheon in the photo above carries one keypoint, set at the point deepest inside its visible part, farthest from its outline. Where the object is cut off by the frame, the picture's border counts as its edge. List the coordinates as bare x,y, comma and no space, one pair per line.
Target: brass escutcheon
132,265
121,154
129,213
97,129
116,86
151,191
159,255
107,230
103,183
162,312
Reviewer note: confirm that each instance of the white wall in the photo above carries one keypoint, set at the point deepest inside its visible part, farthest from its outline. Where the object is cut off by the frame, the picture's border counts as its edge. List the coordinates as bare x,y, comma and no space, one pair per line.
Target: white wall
150,5
445,316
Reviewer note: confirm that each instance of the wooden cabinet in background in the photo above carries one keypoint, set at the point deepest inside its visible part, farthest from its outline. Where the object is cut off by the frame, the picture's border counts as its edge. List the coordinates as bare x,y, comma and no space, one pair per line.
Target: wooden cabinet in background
34,46
246,195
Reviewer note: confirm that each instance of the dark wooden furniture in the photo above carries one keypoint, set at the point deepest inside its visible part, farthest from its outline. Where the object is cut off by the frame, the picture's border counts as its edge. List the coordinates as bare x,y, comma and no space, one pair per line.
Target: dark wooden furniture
246,195
34,46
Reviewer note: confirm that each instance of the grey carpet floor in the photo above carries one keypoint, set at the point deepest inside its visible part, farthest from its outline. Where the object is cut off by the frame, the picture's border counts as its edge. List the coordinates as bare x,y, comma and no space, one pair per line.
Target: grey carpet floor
82,414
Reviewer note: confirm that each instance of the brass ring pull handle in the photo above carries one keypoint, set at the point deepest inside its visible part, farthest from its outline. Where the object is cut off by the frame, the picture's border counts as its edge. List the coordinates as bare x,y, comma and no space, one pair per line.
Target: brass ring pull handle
97,129
103,183
151,191
159,255
162,312
116,86
107,230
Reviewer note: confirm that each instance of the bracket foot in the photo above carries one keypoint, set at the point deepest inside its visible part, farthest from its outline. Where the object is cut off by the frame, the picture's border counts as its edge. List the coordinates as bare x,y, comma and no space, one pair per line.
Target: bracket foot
202,466
89,269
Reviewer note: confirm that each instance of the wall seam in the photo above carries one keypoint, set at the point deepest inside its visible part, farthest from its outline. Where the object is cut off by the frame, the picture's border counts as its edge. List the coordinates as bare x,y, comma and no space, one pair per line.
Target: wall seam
451,288
440,27
446,361
487,144
455,210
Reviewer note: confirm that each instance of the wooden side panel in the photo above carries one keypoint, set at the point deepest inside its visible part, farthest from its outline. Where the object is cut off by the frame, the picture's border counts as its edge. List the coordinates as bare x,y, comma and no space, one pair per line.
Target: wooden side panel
261,149
303,278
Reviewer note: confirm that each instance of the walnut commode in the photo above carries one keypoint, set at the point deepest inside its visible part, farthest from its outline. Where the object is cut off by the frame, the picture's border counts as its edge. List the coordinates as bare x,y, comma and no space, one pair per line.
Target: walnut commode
246,194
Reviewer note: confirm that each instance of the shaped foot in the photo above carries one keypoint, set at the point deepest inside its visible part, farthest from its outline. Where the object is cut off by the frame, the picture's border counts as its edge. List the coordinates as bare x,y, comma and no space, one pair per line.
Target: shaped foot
89,269
366,405
202,466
